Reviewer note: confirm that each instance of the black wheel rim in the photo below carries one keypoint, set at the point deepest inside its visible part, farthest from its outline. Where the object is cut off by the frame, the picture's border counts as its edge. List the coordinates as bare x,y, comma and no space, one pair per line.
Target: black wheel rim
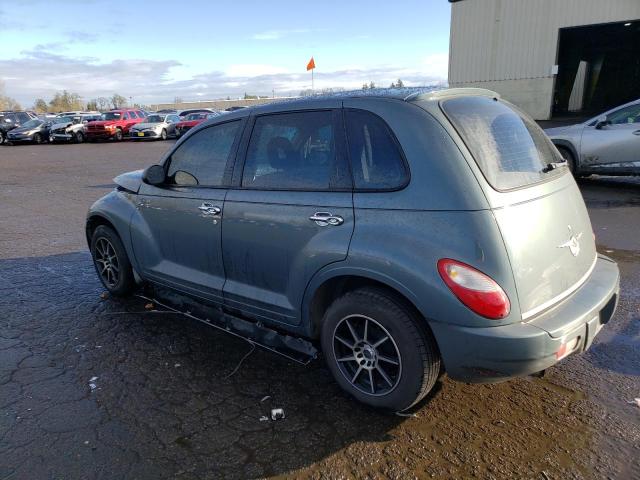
367,355
107,262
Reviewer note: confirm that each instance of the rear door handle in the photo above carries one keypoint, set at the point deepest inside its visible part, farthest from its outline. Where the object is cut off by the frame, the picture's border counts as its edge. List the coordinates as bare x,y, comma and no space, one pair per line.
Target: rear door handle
209,209
324,219
637,132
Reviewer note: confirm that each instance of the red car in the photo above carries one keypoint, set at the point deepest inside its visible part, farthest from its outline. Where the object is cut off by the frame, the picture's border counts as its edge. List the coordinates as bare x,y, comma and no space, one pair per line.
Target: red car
191,121
114,124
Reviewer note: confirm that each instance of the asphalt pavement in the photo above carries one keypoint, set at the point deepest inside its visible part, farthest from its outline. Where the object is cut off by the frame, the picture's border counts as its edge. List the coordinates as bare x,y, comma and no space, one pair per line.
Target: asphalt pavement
97,388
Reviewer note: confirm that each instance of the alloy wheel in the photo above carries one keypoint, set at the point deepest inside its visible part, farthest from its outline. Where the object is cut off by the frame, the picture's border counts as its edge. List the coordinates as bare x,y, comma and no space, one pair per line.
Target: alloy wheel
107,262
366,354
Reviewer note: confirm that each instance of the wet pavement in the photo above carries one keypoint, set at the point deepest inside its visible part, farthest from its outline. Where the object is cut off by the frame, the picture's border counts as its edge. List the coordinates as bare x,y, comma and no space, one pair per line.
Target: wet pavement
96,388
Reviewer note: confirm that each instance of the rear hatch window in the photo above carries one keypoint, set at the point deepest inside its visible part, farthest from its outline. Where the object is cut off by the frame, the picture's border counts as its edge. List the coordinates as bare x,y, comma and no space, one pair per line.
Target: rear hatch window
509,148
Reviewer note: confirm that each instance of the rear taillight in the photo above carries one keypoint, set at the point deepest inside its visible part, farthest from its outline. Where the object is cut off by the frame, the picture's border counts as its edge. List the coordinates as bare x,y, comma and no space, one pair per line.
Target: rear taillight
475,289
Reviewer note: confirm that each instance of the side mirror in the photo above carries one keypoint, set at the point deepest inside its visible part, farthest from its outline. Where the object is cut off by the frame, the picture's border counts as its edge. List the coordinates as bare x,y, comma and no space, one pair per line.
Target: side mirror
602,122
154,175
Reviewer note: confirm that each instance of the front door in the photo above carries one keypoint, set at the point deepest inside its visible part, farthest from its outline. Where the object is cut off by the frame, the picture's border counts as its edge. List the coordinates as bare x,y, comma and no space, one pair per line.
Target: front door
291,215
616,145
177,232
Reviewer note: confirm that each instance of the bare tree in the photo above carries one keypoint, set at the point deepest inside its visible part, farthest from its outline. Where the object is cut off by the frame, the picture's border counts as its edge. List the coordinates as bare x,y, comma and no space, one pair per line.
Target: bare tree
118,101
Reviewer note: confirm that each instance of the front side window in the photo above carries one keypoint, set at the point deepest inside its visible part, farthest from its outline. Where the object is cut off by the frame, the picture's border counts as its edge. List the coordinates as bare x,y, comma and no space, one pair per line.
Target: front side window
376,160
203,157
132,115
630,114
509,148
292,151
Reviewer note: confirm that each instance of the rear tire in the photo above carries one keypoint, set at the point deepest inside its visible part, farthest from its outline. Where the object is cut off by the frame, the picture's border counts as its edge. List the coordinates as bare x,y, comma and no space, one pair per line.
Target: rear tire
163,134
79,137
2,137
37,139
362,360
111,262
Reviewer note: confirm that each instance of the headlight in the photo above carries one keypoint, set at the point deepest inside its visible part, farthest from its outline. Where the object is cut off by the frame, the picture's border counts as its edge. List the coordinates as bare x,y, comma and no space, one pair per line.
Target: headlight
108,127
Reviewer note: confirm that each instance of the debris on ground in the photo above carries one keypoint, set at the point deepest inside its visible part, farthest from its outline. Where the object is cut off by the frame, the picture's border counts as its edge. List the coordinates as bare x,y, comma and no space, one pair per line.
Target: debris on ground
253,347
149,306
177,365
635,401
266,397
92,383
277,414
264,418
401,414
544,475
104,295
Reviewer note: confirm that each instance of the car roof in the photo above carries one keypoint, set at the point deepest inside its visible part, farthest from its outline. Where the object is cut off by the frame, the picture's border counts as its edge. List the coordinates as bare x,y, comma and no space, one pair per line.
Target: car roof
425,95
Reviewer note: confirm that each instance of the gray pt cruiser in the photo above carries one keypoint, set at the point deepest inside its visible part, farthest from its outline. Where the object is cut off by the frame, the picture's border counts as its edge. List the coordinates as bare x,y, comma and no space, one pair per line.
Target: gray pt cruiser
407,235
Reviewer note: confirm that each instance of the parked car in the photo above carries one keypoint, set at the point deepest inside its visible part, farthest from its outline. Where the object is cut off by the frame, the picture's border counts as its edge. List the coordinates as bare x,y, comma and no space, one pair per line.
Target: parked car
608,144
71,129
192,120
114,124
167,110
33,131
184,113
10,120
155,126
407,235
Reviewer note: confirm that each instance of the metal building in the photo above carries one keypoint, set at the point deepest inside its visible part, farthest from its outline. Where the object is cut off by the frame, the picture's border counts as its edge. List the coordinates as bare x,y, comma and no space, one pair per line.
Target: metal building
550,57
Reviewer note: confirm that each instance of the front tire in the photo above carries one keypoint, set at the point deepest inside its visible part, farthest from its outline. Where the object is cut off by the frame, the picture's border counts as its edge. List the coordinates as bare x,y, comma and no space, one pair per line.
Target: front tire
111,262
163,134
119,136
378,351
37,139
2,137
79,137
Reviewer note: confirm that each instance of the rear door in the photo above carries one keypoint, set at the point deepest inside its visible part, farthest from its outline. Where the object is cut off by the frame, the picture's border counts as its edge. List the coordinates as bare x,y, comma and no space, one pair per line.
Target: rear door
616,145
289,214
177,232
539,210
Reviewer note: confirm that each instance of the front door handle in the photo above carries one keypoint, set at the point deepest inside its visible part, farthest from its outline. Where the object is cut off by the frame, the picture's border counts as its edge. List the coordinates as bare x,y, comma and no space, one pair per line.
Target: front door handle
637,132
324,219
209,209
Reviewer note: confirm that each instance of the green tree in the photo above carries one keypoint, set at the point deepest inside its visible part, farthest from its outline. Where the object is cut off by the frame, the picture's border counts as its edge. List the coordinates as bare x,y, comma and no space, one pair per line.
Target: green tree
118,101
40,105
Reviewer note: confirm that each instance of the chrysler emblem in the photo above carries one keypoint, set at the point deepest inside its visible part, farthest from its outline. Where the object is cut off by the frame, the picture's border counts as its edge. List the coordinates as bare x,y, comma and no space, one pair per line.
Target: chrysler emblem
573,244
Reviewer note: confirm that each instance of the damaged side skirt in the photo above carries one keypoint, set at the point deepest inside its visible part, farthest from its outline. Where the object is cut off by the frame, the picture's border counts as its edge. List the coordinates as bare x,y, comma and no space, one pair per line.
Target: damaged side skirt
293,348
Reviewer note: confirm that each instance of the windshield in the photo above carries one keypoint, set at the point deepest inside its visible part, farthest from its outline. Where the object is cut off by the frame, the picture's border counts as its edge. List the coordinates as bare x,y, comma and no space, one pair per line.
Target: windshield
510,149
154,119
62,120
32,124
111,116
196,116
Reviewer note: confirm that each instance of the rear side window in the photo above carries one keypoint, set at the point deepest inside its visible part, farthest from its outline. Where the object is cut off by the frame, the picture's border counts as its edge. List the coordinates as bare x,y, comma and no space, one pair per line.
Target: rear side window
292,151
510,149
132,115
376,161
203,157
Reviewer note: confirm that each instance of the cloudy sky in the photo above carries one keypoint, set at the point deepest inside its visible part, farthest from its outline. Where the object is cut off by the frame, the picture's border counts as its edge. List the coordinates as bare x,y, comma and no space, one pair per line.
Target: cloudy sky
154,51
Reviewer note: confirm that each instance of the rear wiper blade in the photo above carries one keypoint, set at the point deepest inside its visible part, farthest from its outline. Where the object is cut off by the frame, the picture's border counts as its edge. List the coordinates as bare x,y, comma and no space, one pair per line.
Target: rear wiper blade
553,165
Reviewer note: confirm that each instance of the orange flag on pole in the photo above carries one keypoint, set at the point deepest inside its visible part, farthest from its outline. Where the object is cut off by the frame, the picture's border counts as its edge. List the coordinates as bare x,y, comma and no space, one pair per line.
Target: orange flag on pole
311,65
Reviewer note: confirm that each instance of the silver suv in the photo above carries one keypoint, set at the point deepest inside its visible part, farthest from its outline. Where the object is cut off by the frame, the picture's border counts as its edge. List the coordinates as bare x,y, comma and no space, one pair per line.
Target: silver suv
406,235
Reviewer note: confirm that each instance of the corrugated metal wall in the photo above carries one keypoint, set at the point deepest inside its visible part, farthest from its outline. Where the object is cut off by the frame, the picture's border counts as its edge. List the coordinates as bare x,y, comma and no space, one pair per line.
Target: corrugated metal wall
517,39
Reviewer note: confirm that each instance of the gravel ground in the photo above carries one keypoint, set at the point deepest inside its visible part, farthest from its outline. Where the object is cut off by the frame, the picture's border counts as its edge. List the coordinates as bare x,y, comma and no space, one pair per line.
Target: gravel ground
94,388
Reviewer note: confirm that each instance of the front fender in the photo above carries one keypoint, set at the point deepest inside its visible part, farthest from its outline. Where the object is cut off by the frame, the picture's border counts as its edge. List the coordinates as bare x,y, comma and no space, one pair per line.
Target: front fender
117,208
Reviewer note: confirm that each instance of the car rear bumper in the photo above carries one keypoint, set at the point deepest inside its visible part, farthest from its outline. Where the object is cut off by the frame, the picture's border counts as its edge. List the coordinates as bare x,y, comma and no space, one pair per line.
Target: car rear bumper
495,354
